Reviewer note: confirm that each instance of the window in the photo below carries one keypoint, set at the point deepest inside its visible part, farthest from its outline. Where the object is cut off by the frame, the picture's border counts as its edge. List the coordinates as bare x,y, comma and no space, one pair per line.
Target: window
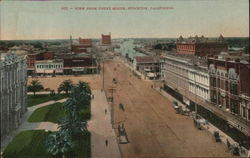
248,114
218,83
244,111
234,88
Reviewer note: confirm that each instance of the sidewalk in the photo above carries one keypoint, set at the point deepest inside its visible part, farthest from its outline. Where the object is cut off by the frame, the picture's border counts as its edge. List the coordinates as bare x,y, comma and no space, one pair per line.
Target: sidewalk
101,129
209,127
25,125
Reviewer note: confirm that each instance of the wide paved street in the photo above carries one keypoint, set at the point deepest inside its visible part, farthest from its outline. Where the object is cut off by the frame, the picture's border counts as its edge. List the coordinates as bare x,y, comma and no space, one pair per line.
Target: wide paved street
153,128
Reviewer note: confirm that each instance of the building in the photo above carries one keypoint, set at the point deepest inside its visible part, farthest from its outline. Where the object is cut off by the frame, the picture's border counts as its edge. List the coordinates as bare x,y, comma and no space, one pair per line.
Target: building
230,83
79,65
83,46
49,67
148,66
85,42
200,84
201,46
186,73
106,39
13,80
33,57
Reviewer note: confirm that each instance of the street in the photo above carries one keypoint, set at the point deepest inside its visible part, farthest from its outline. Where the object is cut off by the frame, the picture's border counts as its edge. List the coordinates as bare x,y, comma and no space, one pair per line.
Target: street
153,128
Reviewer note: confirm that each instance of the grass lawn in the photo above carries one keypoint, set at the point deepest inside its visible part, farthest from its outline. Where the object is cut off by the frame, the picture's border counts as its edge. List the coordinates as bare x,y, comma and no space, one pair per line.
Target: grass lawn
28,144
55,112
42,98
50,113
31,144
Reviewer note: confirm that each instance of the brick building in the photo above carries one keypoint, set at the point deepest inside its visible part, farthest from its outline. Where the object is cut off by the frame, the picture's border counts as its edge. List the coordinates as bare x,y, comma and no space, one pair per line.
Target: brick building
79,65
230,84
83,46
201,46
33,57
106,39
85,42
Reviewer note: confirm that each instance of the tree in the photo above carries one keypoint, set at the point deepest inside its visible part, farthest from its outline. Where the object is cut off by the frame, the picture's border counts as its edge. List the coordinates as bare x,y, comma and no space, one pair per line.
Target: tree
72,125
66,86
59,143
82,93
35,86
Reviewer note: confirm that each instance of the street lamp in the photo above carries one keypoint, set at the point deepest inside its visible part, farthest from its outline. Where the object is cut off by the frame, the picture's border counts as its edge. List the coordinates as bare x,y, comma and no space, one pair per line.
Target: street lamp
195,92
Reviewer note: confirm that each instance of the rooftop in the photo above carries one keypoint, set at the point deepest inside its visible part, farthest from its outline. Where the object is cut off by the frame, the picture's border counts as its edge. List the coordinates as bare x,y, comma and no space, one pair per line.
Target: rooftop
201,39
145,59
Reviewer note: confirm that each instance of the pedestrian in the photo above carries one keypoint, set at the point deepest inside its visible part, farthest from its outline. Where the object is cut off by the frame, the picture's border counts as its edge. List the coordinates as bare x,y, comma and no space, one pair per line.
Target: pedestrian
105,111
106,142
228,144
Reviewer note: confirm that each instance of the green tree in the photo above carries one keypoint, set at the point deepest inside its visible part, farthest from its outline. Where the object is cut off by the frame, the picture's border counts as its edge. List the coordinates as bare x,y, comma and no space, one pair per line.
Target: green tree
65,86
35,86
59,143
82,93
72,125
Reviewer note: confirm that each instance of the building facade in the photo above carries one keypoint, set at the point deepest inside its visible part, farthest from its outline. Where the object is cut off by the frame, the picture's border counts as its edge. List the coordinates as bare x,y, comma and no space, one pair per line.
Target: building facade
230,83
148,66
186,74
106,39
13,80
79,65
201,46
49,67
33,57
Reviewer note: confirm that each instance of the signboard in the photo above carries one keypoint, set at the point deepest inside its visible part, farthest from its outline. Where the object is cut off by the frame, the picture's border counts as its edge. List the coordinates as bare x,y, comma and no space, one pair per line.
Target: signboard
78,69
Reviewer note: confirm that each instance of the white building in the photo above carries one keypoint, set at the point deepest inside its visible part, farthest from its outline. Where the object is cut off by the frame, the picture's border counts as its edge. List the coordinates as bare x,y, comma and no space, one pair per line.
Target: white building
148,66
199,83
49,67
184,73
13,80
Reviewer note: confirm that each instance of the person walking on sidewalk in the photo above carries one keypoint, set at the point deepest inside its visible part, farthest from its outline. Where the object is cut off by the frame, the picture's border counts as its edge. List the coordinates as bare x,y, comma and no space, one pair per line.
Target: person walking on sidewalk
106,142
105,111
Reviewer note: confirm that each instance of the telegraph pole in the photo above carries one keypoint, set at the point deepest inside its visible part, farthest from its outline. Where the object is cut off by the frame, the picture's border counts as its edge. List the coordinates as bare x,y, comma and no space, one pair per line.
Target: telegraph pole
103,74
112,89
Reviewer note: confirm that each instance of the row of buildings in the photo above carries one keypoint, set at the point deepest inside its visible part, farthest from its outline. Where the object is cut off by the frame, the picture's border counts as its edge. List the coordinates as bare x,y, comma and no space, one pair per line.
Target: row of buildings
13,80
46,63
87,45
202,71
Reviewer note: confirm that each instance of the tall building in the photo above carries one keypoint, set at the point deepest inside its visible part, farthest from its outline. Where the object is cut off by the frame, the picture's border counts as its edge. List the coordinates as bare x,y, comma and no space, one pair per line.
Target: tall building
187,74
217,88
13,80
230,83
201,46
106,39
85,42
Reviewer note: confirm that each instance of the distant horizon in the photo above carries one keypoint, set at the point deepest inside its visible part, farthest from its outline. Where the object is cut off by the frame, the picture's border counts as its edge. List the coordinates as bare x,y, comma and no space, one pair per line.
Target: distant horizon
120,38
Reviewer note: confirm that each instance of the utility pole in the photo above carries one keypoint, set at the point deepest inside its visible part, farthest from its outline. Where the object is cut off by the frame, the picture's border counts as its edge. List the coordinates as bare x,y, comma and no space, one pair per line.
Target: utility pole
103,74
112,90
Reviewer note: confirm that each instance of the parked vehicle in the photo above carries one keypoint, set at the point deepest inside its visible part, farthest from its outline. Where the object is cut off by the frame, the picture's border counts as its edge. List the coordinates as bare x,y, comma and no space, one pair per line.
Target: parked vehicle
217,136
176,107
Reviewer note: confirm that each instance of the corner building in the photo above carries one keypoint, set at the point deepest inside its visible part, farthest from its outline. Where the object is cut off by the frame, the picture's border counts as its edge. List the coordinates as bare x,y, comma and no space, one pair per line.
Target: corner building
13,81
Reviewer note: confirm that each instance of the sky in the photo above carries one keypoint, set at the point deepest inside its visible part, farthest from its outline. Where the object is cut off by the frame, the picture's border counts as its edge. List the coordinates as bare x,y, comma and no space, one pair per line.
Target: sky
23,20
